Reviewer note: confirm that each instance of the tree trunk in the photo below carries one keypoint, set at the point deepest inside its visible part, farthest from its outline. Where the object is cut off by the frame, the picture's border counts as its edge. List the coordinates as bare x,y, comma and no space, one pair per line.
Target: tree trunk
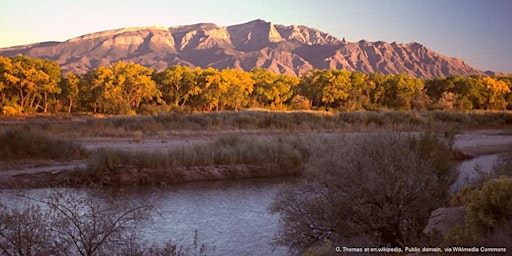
70,104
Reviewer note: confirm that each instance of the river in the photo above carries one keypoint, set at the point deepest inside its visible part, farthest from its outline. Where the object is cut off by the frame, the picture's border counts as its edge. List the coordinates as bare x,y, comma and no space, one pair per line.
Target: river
230,216
471,170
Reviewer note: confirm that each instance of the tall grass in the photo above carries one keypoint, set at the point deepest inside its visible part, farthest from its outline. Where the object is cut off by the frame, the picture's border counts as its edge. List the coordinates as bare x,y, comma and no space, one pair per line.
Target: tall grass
286,153
19,143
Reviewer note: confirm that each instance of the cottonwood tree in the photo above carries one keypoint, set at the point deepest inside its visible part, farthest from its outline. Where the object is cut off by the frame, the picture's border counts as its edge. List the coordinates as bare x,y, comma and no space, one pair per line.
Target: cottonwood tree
236,87
122,87
365,190
31,82
273,90
70,89
211,87
400,91
177,84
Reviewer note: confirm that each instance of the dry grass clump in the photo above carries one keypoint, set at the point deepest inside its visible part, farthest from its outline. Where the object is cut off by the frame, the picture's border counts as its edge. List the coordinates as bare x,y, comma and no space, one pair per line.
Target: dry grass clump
19,143
286,153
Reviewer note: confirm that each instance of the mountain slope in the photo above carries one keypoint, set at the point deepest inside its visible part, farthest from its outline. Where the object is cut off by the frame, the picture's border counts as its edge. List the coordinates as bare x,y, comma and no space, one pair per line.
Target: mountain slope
281,49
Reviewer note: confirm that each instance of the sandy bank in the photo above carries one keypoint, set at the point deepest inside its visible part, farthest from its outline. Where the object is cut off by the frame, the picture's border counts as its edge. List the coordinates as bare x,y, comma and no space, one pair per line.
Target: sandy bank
483,142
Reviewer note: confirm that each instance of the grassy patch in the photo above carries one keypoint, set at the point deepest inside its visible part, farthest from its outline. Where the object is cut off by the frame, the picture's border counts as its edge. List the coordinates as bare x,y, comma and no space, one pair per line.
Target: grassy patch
19,143
160,124
284,153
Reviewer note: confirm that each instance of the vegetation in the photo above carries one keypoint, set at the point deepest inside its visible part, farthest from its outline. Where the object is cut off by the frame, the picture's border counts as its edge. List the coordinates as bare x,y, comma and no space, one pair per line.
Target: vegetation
280,157
488,219
67,224
18,143
366,190
286,152
488,204
34,85
251,121
503,166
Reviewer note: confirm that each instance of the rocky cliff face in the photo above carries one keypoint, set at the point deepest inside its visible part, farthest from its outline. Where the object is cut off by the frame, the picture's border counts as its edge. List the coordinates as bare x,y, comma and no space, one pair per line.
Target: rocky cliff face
281,49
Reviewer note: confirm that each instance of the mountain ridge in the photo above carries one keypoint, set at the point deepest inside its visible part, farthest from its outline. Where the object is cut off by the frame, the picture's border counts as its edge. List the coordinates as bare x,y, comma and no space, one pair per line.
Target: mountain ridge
292,49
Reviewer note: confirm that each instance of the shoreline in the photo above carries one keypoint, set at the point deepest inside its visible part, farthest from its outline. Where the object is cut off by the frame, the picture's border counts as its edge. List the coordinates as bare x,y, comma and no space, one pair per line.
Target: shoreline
47,173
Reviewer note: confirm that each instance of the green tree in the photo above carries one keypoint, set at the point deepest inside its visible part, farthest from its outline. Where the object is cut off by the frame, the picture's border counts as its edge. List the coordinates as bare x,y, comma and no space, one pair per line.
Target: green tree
236,86
123,87
336,87
470,91
90,91
70,89
360,93
51,87
263,80
177,84
272,90
311,88
210,84
327,88
401,90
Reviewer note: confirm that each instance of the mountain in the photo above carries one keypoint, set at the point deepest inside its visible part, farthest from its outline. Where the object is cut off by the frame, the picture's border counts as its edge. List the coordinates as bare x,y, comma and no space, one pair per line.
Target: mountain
281,49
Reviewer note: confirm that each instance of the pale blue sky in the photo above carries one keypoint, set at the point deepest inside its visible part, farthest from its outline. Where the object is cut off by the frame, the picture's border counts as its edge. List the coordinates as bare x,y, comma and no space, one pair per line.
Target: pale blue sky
477,31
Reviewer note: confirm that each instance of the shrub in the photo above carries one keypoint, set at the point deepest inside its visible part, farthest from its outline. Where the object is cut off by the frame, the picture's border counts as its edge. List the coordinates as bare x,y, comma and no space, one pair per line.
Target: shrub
488,210
366,190
24,231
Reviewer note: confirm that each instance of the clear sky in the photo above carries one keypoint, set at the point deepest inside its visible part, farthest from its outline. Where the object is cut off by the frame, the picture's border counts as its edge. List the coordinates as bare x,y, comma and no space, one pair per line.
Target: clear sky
477,31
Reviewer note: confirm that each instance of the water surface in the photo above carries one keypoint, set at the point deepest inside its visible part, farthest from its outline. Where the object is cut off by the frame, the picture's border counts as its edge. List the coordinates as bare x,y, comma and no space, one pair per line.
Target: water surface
230,216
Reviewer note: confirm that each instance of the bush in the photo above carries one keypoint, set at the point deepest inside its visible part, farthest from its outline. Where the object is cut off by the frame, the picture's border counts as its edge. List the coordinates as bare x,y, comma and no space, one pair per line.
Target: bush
366,190
488,213
24,231
18,143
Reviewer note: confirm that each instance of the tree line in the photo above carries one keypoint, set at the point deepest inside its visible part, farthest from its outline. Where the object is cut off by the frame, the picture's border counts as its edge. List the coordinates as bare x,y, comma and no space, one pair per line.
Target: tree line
29,85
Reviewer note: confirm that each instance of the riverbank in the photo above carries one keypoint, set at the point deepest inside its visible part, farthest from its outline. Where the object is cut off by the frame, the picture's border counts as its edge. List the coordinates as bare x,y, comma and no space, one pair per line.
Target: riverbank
206,157
148,162
170,148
